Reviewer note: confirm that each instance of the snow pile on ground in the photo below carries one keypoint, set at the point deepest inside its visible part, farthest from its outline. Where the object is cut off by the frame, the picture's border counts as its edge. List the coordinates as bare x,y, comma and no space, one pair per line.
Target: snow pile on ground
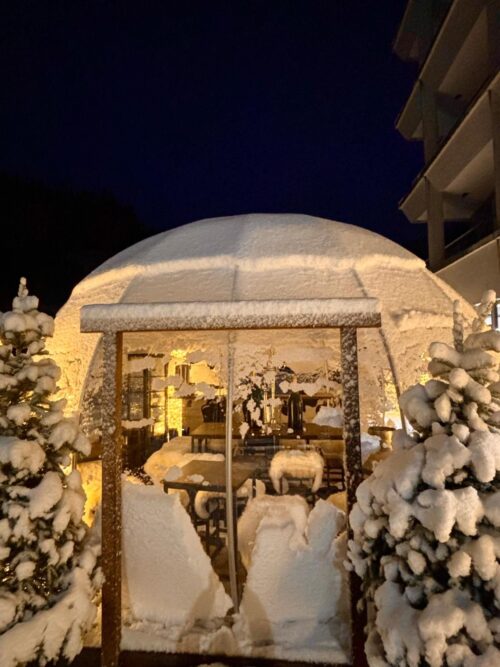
328,416
426,524
299,464
296,588
168,577
295,581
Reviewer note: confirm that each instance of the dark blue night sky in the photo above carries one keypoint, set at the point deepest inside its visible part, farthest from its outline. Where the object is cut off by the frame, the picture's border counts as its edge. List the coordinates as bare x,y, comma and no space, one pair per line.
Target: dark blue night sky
193,109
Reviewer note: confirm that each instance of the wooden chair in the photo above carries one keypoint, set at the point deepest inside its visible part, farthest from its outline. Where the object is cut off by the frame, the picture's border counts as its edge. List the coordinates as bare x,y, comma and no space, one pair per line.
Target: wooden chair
298,470
333,455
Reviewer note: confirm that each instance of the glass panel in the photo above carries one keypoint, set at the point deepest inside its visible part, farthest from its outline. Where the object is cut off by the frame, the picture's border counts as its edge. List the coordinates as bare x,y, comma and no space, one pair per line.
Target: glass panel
287,488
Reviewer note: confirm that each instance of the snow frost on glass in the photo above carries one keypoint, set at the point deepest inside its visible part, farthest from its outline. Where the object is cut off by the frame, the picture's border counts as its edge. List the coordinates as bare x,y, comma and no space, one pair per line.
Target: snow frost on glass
291,537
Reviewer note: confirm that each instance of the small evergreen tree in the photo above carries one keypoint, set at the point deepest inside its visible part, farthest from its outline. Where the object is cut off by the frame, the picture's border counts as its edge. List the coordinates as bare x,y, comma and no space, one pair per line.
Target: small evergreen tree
42,537
426,524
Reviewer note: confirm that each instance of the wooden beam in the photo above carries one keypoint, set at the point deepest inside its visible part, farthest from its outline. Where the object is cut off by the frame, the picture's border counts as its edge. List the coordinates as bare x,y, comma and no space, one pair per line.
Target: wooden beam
353,473
231,315
111,499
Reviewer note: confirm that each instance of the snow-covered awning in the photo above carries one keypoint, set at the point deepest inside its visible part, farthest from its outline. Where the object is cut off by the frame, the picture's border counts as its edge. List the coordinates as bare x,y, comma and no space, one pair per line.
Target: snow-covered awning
294,313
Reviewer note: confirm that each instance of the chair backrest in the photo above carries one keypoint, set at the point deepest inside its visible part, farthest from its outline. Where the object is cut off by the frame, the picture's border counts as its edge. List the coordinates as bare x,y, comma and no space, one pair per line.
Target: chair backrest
168,578
297,463
214,411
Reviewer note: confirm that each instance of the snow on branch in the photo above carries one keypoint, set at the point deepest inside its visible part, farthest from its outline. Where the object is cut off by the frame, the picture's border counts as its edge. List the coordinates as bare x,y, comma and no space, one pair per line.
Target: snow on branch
426,525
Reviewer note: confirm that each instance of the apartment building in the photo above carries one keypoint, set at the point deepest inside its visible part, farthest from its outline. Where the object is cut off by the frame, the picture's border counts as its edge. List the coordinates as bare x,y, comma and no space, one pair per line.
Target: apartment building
454,110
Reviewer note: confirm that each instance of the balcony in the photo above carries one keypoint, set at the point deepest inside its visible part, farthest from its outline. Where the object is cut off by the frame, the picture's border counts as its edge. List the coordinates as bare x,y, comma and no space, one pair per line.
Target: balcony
419,25
463,168
461,59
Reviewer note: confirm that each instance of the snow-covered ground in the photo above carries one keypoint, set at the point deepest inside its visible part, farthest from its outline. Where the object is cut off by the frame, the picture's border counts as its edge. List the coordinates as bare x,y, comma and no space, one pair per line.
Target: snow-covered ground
293,604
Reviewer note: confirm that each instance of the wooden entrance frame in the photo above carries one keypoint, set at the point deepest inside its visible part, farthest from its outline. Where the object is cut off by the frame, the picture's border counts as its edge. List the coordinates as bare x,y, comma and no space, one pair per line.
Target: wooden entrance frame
113,320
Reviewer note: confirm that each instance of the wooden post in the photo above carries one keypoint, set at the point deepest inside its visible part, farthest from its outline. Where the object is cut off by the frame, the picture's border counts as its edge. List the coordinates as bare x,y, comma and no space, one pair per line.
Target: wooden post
353,473
352,427
231,520
111,499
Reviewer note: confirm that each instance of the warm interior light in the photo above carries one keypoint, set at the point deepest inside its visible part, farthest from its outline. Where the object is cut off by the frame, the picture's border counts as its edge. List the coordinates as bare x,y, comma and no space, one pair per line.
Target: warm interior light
160,415
174,411
391,415
174,405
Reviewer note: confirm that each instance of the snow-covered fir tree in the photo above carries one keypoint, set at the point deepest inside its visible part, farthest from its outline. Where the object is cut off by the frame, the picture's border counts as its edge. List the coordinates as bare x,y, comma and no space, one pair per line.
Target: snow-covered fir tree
426,525
48,565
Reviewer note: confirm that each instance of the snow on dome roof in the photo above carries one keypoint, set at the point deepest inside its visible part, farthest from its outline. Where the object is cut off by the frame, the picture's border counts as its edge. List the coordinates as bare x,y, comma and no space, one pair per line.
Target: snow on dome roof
269,257
256,242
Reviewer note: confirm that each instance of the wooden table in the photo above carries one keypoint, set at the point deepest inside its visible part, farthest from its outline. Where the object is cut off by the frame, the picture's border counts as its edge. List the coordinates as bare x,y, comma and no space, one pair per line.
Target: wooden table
202,434
214,479
315,432
207,431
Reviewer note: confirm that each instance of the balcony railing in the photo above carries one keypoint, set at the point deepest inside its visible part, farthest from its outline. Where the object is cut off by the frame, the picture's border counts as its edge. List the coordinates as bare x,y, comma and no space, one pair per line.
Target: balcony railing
481,228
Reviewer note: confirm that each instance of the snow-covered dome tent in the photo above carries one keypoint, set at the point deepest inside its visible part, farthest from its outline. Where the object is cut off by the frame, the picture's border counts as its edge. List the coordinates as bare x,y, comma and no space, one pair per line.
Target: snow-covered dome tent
270,256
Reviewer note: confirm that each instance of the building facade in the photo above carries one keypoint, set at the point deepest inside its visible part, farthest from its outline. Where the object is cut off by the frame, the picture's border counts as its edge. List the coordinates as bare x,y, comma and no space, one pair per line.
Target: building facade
454,110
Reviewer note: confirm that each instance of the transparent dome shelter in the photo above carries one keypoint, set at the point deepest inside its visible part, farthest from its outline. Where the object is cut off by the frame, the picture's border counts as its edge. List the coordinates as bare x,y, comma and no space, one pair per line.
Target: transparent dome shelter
219,311
273,257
